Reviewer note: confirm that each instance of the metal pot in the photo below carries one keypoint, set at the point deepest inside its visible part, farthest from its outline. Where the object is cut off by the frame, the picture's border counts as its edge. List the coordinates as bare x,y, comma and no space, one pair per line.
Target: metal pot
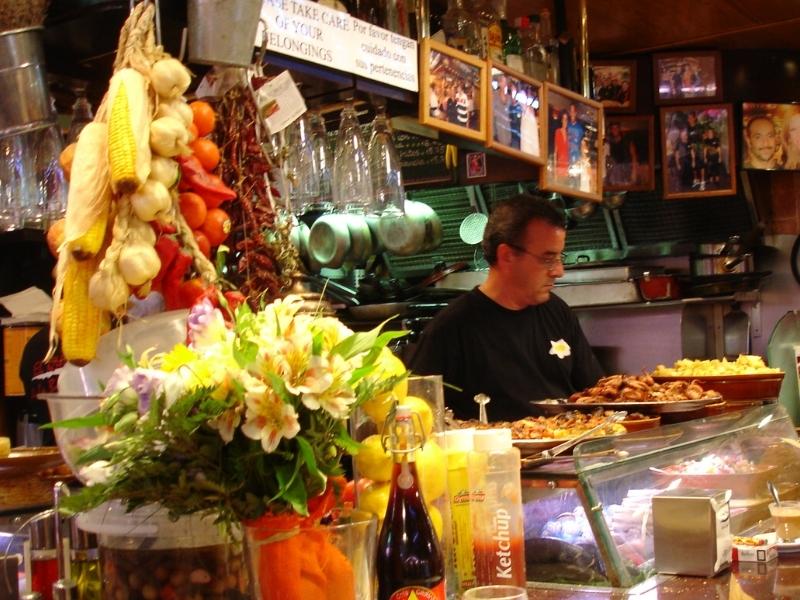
336,238
419,229
222,32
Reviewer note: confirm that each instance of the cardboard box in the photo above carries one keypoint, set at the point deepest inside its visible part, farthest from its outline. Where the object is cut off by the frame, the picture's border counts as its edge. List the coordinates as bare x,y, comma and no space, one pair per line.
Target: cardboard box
760,554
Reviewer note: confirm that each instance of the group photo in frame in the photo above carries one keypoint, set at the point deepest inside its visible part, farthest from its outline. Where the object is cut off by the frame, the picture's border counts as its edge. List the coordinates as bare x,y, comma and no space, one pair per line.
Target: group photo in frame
452,90
698,151
770,136
513,108
614,85
574,152
629,154
686,77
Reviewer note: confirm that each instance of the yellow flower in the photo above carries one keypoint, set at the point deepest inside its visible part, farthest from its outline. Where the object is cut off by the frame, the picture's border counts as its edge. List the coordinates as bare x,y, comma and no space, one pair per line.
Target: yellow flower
268,418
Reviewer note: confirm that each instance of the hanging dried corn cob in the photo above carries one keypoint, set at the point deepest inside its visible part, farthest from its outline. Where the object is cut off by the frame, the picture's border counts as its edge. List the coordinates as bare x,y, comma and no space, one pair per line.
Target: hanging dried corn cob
82,322
89,199
128,131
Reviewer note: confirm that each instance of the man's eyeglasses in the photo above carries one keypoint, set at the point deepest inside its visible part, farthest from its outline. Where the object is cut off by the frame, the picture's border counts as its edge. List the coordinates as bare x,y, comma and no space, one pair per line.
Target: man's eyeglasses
549,262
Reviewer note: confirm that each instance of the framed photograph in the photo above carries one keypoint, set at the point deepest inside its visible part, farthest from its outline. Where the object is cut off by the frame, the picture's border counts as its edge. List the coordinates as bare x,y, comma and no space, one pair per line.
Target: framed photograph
512,109
614,85
629,154
771,136
698,151
573,144
476,165
452,90
686,77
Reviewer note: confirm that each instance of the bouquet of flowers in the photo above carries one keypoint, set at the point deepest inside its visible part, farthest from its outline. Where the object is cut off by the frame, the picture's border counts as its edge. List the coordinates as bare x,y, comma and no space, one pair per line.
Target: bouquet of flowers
247,418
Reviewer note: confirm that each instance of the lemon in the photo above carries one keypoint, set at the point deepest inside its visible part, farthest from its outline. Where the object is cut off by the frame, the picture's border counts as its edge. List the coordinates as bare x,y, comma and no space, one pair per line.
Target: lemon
423,409
375,498
436,519
372,461
431,470
388,365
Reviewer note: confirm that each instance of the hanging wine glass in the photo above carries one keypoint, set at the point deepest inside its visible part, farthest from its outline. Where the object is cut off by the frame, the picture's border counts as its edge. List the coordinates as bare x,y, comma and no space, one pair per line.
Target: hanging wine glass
48,201
352,187
384,167
11,182
299,166
322,162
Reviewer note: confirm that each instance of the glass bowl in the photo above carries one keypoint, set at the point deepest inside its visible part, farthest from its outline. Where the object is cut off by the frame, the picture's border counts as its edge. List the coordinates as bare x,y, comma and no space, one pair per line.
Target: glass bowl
72,442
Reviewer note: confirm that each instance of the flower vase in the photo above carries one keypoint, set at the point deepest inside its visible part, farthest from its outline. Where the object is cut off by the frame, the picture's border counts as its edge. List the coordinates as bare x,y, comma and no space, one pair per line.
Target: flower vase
145,554
289,559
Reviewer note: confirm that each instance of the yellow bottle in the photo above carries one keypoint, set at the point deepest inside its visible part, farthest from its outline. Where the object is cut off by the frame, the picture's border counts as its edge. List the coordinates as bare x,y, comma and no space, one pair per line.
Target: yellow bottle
457,444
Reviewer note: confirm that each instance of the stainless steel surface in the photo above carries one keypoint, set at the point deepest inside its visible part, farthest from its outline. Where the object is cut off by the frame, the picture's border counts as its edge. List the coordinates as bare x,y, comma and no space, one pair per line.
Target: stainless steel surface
716,264
423,13
689,531
419,229
657,408
593,294
604,273
24,95
223,32
329,240
482,400
736,332
464,280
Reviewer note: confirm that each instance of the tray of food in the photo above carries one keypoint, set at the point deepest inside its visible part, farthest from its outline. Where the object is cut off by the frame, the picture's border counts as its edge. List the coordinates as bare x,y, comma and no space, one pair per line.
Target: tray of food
641,393
746,378
24,460
743,477
634,421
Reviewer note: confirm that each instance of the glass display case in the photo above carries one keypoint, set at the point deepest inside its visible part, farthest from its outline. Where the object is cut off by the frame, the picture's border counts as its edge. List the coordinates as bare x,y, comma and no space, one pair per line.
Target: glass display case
588,518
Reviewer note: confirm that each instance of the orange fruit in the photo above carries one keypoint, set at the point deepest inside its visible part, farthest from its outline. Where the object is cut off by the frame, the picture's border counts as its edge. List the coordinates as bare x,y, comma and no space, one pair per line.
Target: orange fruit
204,117
202,242
193,209
217,226
193,135
206,152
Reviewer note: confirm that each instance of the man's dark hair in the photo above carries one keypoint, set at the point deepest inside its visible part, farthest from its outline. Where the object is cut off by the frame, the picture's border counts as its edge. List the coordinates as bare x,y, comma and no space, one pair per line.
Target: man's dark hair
509,218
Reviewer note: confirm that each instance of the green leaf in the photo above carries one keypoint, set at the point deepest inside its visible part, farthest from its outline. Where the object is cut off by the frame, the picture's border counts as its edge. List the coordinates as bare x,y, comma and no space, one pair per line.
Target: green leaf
307,452
93,455
95,420
345,442
357,343
296,494
244,352
279,386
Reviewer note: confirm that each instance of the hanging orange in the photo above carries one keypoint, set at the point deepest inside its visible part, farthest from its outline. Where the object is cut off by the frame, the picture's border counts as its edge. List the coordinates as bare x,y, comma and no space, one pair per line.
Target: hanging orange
193,208
217,226
203,117
206,152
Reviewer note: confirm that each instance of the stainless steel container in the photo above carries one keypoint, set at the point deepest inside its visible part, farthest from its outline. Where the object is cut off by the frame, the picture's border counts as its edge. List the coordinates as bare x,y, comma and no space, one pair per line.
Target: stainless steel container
223,32
24,95
692,531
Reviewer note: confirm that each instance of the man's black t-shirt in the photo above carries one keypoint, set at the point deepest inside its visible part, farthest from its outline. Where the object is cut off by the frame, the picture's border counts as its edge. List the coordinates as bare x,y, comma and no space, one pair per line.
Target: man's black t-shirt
513,356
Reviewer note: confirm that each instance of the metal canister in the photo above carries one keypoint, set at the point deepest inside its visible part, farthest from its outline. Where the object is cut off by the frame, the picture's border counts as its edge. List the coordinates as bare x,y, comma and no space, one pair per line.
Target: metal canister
24,95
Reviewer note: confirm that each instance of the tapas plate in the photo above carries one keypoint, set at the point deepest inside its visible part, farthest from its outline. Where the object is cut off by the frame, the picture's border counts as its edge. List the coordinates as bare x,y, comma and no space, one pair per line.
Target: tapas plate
783,547
24,460
657,408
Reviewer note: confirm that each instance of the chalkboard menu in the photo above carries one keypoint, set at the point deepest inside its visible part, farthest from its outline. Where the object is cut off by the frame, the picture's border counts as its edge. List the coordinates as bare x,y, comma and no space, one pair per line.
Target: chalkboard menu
422,159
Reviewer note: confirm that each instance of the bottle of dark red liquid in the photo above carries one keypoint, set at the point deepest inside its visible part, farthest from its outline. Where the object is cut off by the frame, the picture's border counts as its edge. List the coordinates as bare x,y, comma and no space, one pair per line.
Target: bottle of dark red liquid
410,560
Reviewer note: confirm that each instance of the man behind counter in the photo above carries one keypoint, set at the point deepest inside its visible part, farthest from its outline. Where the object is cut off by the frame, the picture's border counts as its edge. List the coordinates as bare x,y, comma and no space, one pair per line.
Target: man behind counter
510,337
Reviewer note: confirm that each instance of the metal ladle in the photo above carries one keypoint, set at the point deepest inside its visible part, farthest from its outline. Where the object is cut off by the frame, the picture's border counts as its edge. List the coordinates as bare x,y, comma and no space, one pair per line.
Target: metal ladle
482,400
773,491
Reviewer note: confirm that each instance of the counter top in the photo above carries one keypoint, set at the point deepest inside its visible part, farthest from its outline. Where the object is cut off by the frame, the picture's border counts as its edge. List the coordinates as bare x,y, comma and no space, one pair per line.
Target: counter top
776,580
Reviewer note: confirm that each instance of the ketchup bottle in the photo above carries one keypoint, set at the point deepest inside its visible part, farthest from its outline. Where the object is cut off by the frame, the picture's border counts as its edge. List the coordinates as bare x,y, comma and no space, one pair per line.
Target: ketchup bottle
410,559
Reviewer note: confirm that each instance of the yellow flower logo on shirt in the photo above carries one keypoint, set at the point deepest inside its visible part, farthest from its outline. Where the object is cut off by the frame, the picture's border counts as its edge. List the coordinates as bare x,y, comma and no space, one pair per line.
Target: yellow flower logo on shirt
560,348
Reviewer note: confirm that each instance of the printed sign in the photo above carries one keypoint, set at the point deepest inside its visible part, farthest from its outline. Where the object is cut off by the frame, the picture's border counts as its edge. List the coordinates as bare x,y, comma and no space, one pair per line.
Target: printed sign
322,35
